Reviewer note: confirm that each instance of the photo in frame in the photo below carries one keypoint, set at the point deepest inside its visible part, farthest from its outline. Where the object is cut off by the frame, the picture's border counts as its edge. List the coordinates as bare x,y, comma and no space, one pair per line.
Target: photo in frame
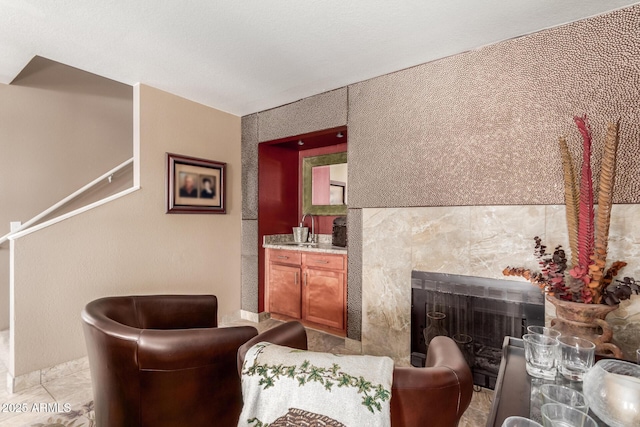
195,185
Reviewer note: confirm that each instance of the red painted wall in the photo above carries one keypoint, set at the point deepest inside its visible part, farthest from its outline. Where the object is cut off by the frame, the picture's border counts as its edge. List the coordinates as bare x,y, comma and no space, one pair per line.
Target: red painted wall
277,199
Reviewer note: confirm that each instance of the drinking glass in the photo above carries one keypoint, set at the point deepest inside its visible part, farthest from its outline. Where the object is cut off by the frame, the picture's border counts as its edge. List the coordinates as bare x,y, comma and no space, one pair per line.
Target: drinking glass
553,393
541,330
576,357
520,422
540,352
558,415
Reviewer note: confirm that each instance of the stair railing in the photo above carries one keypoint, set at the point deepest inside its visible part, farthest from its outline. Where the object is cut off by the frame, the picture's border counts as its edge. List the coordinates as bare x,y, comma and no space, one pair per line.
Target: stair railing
66,200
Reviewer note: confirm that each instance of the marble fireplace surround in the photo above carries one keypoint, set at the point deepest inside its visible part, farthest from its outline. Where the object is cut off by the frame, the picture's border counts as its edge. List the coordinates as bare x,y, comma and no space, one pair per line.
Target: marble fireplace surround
473,241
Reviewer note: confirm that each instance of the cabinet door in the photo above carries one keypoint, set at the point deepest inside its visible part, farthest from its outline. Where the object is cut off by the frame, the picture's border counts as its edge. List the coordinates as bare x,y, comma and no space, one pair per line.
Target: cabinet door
284,290
323,297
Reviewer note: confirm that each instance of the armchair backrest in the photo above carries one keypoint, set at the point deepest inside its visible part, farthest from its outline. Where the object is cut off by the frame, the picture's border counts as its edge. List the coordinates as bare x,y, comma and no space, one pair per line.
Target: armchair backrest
177,312
155,311
161,361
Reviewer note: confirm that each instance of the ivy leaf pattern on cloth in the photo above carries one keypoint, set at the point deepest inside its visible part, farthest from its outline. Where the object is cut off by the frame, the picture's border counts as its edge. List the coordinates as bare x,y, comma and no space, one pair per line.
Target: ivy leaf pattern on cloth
306,372
283,386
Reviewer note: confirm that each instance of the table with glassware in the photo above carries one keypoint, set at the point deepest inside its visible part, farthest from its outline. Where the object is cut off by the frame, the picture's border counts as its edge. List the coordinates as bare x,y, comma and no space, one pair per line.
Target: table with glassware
518,394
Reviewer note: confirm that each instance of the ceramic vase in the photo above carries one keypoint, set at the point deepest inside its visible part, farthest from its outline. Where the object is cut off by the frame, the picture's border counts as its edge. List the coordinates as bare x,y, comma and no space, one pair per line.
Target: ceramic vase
586,321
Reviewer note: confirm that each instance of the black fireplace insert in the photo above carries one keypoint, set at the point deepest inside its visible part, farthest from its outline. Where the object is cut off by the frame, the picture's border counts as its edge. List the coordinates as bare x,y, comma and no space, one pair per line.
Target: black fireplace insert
478,314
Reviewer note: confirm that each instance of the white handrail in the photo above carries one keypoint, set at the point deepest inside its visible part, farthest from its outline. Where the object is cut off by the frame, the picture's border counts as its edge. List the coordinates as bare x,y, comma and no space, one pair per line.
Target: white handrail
65,200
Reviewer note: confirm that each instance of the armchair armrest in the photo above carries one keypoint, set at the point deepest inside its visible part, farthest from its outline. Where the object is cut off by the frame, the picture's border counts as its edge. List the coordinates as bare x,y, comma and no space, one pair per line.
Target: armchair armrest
290,334
443,388
189,348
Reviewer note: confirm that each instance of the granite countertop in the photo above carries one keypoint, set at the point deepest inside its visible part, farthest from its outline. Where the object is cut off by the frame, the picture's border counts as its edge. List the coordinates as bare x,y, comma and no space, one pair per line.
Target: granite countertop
283,241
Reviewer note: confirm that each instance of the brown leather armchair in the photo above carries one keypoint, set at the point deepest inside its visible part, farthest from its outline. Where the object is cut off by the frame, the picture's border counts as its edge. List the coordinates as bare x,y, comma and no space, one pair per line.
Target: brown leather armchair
162,361
434,396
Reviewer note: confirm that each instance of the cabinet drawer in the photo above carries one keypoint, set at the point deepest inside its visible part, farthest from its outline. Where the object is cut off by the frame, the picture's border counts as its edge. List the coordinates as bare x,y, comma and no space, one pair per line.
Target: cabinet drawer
333,262
285,257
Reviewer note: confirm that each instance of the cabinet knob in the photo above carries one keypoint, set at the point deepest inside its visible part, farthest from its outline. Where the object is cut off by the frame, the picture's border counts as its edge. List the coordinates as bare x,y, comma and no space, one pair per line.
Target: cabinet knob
282,257
305,278
320,261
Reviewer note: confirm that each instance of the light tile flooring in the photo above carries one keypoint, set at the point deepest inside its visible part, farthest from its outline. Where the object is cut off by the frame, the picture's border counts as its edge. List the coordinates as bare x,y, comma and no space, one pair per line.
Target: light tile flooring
75,389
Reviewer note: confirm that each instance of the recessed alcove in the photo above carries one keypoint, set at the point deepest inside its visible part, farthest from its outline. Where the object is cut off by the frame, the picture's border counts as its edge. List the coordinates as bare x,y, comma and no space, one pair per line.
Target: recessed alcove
280,186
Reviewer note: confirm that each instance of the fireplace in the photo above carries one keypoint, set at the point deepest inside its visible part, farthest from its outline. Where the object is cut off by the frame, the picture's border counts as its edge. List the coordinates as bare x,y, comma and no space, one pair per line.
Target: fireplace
485,309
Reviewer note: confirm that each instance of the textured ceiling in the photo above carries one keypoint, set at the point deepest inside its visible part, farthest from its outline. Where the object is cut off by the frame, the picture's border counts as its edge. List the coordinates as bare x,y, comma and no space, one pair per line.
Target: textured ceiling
251,55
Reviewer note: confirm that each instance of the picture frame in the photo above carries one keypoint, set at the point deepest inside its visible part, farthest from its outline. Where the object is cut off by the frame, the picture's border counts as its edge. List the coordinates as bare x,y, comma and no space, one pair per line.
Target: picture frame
195,186
308,163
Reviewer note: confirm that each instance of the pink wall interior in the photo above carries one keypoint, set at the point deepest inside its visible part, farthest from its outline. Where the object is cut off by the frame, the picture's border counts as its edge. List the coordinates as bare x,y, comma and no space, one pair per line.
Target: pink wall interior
320,188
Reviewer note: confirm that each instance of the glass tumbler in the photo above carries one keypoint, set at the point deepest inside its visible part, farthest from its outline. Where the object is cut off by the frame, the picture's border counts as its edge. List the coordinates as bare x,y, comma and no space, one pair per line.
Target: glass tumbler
540,353
576,357
542,330
553,393
558,415
520,422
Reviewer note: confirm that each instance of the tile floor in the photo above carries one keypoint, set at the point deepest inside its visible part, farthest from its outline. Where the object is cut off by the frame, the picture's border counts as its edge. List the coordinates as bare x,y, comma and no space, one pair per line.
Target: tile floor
75,389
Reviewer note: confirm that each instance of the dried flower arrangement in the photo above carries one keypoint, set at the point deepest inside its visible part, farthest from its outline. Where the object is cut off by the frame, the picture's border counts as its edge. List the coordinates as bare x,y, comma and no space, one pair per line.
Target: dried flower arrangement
587,281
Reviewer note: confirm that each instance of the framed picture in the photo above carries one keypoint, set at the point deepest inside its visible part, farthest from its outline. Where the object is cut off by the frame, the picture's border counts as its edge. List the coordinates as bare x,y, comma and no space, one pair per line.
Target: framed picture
195,185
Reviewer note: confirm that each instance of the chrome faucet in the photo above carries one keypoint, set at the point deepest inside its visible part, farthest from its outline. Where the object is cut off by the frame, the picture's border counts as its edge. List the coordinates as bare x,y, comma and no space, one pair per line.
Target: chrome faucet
312,236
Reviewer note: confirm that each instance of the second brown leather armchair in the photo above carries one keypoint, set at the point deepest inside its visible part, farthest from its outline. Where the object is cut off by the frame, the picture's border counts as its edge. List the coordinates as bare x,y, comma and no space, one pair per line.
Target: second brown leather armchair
434,396
161,361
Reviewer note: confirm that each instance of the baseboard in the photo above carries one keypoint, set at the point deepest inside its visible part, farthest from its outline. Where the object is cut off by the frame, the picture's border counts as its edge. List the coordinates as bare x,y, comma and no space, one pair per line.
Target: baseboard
254,317
43,376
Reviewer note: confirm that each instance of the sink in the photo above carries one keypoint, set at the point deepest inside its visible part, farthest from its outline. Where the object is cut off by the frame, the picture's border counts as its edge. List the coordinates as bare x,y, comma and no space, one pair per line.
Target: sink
308,244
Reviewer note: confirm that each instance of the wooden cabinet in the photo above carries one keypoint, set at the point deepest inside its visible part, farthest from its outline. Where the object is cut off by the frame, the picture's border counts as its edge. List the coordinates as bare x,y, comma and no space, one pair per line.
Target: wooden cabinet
284,286
283,278
308,286
323,297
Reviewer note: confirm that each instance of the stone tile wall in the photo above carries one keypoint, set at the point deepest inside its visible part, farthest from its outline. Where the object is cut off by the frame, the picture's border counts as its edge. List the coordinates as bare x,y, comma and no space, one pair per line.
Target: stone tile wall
354,278
324,111
249,250
474,241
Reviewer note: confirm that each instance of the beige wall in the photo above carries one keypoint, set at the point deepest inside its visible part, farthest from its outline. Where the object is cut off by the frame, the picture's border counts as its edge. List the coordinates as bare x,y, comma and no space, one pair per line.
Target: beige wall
130,246
60,128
